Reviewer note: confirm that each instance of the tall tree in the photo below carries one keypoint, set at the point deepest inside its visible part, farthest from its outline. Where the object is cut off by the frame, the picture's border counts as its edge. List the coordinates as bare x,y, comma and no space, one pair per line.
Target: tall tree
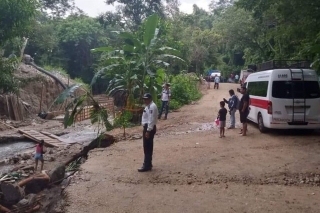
16,17
133,12
57,8
77,35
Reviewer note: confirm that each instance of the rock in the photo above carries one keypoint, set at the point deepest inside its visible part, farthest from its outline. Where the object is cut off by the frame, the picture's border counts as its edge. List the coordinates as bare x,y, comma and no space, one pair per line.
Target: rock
15,160
27,200
12,193
136,137
317,180
51,159
30,162
57,174
50,151
26,156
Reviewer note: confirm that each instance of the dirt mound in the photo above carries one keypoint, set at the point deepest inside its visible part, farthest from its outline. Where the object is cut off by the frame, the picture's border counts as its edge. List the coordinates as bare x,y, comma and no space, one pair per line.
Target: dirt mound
37,93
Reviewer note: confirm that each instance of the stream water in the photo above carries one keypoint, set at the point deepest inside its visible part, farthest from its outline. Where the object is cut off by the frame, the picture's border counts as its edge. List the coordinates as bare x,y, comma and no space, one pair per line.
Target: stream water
10,149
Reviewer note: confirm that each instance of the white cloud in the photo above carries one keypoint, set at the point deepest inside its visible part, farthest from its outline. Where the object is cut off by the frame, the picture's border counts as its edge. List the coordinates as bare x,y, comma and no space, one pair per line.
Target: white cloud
95,7
187,5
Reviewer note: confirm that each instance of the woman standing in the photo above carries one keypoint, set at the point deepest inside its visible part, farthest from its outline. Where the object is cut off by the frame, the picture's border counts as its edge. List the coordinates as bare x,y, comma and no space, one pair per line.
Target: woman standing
39,154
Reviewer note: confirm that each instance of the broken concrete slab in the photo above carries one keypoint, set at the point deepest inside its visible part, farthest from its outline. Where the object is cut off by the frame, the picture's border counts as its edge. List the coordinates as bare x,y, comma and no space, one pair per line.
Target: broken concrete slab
12,194
57,174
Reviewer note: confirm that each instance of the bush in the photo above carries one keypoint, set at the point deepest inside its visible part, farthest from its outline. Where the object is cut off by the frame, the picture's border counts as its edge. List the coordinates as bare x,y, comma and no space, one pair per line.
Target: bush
174,104
8,83
184,90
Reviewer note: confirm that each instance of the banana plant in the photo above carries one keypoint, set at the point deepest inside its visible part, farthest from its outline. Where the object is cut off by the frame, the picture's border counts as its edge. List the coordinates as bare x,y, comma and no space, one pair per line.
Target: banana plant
142,52
98,115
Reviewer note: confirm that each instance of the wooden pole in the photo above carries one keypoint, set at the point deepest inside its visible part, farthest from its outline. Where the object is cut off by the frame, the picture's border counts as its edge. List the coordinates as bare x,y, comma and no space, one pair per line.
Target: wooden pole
41,98
8,107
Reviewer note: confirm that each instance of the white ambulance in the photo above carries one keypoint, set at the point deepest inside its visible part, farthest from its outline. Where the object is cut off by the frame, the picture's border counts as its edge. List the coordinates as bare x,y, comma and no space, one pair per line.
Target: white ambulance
284,95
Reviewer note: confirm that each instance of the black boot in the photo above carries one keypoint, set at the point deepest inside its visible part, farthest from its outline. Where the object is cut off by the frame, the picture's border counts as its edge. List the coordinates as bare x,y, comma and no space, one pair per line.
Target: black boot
145,169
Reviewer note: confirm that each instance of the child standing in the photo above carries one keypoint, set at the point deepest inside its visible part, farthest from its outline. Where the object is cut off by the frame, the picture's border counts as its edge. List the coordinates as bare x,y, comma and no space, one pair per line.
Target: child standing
222,117
39,154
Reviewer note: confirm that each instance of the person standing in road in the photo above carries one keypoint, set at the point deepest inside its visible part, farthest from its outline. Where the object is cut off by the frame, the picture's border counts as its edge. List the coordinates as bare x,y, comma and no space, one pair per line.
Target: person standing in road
149,121
216,81
222,118
244,110
232,104
236,78
165,98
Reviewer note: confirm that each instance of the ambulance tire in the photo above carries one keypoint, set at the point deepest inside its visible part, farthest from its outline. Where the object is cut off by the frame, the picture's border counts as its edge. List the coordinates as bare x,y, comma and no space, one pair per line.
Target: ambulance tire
262,128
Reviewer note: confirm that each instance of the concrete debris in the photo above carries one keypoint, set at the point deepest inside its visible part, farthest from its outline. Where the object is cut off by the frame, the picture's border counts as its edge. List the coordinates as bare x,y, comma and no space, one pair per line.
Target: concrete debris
57,174
12,194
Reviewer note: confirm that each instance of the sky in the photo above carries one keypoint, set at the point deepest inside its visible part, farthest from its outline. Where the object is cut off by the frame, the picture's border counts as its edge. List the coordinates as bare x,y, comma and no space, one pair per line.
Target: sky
95,7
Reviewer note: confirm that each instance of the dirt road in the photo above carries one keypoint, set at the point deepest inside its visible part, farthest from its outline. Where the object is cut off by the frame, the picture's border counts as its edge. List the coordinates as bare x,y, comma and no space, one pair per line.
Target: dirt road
195,171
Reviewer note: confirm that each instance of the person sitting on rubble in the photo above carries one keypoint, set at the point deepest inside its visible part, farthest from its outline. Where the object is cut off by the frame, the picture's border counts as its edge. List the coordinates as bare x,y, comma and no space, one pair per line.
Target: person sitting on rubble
39,154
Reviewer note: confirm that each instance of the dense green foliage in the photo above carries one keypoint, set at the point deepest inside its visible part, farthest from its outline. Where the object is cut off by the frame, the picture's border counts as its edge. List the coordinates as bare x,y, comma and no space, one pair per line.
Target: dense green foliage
7,82
184,90
229,36
137,62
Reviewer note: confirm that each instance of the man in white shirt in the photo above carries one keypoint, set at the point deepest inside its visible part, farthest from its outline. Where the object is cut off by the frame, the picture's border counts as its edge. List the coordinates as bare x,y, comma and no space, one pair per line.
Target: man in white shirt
216,81
165,98
237,78
149,121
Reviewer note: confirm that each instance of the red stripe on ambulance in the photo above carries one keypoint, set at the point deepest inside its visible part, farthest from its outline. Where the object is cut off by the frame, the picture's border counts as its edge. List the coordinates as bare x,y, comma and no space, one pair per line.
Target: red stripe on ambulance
264,104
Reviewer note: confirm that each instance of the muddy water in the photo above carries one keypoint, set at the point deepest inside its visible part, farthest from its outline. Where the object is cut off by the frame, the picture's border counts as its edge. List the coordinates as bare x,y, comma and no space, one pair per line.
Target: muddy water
10,149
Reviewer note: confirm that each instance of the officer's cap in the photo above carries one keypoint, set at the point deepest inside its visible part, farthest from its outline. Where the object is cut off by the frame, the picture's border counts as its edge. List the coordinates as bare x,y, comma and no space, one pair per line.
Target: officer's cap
147,96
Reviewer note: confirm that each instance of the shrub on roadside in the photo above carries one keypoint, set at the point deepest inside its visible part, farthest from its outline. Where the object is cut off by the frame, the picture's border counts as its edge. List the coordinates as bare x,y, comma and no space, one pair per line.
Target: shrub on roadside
184,90
174,105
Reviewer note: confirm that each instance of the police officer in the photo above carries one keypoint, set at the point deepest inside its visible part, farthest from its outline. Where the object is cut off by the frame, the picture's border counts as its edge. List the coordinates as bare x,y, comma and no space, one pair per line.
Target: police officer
149,121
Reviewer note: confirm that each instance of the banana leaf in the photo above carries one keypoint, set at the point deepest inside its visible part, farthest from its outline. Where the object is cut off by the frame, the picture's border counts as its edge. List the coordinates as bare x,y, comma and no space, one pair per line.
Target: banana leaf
150,29
171,56
101,72
67,93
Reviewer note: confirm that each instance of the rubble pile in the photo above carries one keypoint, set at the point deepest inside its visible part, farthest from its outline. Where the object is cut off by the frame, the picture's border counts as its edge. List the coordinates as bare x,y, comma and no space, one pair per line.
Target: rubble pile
24,190
24,196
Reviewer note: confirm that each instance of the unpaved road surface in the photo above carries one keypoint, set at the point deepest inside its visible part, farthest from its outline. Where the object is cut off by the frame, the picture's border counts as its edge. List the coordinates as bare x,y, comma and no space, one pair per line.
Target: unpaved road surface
195,171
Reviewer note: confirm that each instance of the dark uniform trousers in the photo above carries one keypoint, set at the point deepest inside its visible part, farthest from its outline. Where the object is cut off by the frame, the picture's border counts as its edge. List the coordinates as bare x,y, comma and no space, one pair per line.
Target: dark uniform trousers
148,146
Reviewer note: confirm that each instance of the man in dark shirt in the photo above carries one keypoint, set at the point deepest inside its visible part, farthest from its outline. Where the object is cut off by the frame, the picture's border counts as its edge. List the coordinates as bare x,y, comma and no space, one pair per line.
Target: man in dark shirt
222,118
233,103
244,109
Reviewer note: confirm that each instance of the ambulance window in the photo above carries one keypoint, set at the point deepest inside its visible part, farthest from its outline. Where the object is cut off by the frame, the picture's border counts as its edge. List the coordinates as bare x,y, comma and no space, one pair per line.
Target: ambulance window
295,89
259,88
